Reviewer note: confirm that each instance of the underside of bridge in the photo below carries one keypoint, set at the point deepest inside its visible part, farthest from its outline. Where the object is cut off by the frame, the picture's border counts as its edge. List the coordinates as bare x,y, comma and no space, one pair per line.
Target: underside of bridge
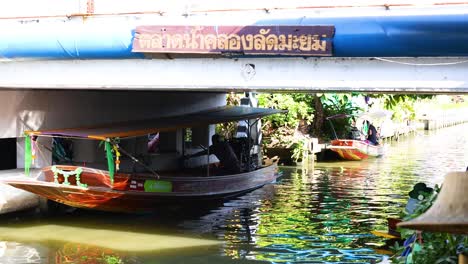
315,75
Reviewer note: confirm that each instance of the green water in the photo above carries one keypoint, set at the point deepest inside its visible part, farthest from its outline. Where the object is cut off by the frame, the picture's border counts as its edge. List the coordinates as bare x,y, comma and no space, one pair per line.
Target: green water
320,213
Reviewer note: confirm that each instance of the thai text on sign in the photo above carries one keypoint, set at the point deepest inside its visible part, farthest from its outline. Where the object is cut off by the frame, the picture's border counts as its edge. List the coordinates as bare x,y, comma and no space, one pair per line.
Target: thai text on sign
274,40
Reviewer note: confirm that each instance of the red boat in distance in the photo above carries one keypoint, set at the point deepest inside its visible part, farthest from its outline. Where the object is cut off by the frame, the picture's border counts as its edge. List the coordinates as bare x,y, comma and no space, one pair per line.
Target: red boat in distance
356,148
349,149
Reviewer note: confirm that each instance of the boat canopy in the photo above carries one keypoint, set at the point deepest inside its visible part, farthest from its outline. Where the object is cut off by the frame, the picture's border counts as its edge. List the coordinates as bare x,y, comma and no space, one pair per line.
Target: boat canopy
374,115
377,114
147,126
339,116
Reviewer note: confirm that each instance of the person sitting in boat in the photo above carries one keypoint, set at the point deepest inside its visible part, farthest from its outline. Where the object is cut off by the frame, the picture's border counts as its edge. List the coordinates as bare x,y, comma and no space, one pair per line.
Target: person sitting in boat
229,164
372,136
354,133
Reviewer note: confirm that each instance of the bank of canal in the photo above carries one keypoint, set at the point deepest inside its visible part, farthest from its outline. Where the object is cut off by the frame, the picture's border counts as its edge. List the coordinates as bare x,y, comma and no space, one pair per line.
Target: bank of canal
316,214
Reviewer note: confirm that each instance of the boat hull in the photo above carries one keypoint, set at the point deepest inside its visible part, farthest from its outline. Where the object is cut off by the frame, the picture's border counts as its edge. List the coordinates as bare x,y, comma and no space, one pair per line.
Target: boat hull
140,193
356,149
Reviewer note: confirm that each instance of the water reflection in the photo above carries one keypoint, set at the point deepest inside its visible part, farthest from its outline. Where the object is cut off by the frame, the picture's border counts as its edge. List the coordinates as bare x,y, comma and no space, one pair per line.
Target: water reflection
316,214
85,254
13,252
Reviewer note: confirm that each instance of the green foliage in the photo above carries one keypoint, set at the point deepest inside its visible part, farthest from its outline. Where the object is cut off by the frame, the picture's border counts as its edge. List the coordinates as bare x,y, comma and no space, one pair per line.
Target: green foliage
300,152
338,104
439,248
436,247
281,130
299,107
282,138
404,110
62,150
392,100
402,105
228,130
111,259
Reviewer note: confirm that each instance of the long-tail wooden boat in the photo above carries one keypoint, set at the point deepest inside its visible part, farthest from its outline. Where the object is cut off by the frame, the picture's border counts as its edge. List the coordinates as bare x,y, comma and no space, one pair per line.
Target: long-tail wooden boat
353,149
112,190
93,189
349,149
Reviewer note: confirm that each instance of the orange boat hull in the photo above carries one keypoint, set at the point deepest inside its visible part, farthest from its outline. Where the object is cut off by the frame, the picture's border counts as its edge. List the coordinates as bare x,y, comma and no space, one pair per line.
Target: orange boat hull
137,193
355,149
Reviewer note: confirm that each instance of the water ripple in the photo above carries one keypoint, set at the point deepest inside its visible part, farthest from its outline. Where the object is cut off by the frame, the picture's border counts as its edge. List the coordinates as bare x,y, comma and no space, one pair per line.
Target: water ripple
324,213
321,213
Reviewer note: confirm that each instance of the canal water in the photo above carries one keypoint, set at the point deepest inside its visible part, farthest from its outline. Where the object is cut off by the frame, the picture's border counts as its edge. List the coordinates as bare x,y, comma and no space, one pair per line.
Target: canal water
320,213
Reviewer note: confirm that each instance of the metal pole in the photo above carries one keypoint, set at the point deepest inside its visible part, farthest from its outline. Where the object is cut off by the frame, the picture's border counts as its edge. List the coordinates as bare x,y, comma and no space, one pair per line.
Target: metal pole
248,144
183,141
138,161
208,153
249,137
333,128
183,160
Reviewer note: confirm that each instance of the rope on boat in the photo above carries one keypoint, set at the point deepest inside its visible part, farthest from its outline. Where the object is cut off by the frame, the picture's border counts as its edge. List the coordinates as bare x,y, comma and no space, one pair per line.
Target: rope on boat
137,161
117,156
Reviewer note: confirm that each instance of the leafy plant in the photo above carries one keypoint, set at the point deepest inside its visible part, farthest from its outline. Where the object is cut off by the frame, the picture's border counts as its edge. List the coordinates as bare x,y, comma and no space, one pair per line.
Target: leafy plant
402,105
338,104
436,247
228,130
287,130
298,106
300,152
111,259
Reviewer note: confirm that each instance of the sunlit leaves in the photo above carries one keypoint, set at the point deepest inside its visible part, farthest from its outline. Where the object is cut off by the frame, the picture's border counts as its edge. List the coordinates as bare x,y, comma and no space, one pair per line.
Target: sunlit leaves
298,105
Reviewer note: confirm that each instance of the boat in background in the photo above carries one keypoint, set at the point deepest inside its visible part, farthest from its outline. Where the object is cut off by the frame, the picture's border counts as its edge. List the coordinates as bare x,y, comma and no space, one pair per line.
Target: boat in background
350,149
356,148
113,190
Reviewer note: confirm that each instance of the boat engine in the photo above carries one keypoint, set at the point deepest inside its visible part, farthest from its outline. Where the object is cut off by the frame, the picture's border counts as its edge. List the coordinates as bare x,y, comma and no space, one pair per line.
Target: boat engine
242,147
